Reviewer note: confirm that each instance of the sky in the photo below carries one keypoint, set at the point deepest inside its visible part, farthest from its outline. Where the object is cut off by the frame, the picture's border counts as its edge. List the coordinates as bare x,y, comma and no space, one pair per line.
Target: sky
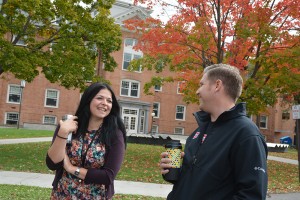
162,14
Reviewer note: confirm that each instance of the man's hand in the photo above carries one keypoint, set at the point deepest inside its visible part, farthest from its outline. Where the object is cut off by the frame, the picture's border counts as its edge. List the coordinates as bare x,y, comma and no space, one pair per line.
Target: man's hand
165,162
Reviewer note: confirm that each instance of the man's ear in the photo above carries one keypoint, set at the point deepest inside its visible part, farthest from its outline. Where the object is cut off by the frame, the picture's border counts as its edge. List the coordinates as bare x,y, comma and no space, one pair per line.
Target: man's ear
219,84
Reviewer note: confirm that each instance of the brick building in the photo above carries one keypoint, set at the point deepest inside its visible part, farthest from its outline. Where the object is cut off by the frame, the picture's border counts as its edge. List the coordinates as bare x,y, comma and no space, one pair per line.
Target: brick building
41,104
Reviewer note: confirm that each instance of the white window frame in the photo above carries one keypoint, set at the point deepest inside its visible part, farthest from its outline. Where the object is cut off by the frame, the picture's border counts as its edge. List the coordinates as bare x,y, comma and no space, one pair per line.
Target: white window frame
184,110
158,89
142,121
50,116
154,129
287,117
14,113
9,93
57,98
128,49
178,86
156,110
182,131
20,42
130,88
265,120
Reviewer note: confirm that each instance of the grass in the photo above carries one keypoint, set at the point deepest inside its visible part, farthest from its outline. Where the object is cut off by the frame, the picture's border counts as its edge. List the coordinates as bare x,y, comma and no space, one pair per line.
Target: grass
12,133
140,164
292,154
19,192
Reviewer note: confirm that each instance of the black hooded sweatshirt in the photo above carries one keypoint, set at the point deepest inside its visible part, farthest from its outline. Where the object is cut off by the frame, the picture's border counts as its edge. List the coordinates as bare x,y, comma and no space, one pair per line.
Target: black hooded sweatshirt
224,160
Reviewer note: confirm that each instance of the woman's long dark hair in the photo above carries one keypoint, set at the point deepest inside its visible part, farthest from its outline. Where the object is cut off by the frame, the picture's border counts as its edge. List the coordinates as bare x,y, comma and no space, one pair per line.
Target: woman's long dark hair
111,123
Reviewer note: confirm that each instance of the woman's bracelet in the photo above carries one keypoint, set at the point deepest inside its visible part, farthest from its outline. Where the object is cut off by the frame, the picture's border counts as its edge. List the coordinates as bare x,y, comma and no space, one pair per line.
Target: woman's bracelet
61,137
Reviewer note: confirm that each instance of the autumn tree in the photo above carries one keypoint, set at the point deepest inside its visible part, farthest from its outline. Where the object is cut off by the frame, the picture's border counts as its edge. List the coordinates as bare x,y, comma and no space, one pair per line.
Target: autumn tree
60,38
260,37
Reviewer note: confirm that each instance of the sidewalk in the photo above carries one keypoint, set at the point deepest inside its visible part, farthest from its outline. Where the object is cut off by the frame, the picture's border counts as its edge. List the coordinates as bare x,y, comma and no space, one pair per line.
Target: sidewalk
121,187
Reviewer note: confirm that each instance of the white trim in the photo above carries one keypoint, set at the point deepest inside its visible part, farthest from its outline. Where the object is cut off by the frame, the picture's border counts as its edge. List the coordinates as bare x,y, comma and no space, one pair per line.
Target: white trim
158,109
50,116
129,88
5,117
266,117
182,130
57,100
8,93
183,112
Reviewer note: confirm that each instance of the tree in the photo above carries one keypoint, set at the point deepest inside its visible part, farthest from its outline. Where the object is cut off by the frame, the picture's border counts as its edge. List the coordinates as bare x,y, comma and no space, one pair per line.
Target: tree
260,37
60,38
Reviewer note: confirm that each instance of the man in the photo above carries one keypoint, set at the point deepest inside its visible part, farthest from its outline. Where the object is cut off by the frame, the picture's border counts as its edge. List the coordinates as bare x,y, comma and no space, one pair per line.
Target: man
225,157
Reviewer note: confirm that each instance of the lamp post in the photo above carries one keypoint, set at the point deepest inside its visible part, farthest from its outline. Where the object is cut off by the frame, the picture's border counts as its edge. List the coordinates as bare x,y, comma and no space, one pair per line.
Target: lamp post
22,86
152,115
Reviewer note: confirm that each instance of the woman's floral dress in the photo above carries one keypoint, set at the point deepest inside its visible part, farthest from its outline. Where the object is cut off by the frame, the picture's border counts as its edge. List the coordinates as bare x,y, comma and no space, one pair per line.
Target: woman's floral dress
70,186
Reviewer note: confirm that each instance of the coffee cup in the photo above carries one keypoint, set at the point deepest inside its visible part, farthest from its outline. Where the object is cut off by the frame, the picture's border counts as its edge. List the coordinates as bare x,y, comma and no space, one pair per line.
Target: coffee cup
174,153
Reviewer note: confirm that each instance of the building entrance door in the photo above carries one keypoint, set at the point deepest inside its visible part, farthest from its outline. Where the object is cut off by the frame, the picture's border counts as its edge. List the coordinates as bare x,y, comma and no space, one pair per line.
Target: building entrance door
130,117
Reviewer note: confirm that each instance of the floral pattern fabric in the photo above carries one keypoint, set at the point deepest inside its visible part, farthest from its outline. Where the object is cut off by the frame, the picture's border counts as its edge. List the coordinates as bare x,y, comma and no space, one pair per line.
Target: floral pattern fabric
71,187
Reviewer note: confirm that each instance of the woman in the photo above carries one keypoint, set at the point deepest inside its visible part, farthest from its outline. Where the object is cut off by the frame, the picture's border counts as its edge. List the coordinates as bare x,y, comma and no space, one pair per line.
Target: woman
86,168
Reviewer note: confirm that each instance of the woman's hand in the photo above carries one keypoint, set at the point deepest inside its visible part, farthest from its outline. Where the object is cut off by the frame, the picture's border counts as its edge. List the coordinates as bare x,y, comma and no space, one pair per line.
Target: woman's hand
67,126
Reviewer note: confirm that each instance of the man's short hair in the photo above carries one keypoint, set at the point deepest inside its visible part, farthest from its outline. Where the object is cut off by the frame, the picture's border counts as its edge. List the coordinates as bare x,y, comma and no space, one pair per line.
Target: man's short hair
229,75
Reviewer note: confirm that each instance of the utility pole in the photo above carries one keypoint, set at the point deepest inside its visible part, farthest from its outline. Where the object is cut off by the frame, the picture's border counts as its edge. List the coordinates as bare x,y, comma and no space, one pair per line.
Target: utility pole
296,116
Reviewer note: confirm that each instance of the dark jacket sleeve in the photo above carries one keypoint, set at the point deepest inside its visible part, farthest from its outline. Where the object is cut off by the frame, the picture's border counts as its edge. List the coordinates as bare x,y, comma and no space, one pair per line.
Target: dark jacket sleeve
249,158
113,161
50,164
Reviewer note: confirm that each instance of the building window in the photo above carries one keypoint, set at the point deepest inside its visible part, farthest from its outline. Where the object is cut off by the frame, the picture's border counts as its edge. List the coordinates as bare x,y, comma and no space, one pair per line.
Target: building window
128,57
130,53
21,41
130,88
51,99
286,115
11,118
154,129
180,112
49,119
14,94
156,109
130,42
179,131
263,122
142,121
180,86
157,88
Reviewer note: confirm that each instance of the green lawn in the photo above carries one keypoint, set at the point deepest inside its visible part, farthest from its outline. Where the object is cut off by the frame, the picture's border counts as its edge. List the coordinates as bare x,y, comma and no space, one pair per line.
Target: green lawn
11,133
140,164
291,154
17,192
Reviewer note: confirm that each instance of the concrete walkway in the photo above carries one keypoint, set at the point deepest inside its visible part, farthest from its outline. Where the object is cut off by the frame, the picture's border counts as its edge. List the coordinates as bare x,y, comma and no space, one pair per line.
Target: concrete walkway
121,187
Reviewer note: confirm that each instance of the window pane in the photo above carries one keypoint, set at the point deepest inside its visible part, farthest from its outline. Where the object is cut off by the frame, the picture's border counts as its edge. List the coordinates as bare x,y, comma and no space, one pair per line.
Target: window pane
180,108
134,93
14,98
157,88
12,118
14,89
127,59
14,95
129,42
51,102
179,115
49,120
134,89
51,94
178,131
